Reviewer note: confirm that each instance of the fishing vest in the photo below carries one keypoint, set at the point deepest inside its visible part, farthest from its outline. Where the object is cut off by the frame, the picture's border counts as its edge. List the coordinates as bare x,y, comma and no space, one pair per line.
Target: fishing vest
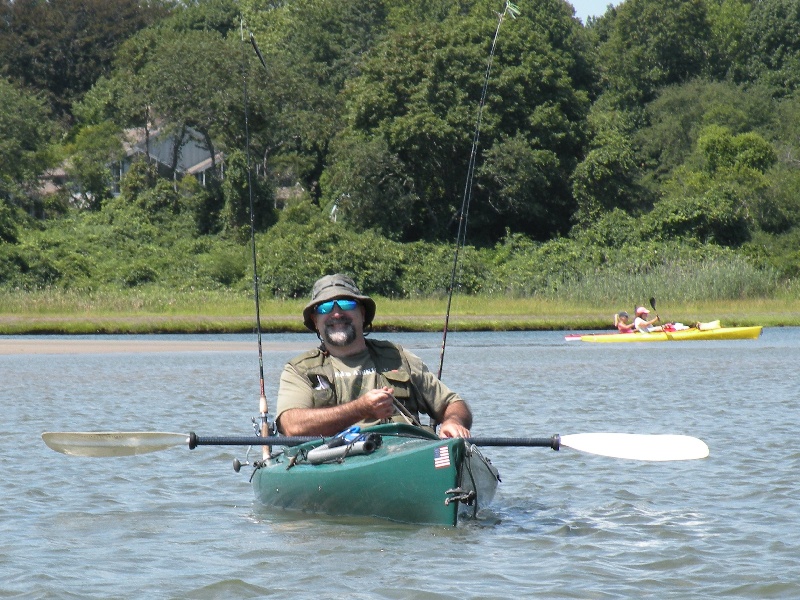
393,366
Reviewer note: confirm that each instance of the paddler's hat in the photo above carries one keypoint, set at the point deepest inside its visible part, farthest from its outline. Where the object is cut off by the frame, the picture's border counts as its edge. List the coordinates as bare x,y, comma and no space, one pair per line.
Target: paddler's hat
333,287
642,311
622,313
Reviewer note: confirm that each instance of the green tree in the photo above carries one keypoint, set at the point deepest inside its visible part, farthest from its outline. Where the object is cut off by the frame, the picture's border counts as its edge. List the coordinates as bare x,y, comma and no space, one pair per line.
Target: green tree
186,83
715,216
183,73
723,202
770,47
193,80
61,48
95,149
222,16
729,21
520,176
655,43
311,49
8,224
407,12
606,178
778,208
781,209
235,215
366,187
680,112
721,150
25,136
419,89
306,243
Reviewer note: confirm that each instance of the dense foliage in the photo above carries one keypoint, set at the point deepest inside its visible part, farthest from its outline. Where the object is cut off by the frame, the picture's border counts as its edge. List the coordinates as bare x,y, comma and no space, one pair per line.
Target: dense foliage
657,142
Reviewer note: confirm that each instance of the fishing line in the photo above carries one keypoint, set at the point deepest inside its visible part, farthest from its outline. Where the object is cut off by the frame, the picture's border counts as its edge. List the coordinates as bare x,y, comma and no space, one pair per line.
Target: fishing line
513,11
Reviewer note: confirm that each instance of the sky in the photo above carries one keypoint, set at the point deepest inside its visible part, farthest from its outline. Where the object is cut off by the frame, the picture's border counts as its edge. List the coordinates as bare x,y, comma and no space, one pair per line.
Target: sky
589,8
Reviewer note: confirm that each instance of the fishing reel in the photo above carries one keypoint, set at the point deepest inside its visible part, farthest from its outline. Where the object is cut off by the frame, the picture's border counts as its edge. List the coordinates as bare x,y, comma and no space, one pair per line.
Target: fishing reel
237,466
263,418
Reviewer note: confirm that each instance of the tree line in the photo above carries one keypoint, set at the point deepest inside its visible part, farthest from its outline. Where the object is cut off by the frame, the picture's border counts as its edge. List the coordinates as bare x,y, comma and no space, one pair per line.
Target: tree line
662,123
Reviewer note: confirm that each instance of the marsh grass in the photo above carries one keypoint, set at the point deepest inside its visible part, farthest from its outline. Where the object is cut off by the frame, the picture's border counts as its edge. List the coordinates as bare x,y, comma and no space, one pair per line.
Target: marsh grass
677,282
142,310
590,304
135,302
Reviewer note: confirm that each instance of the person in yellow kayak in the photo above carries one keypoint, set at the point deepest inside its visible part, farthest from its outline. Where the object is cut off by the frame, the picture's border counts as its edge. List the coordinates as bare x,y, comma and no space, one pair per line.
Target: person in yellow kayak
351,380
621,322
642,325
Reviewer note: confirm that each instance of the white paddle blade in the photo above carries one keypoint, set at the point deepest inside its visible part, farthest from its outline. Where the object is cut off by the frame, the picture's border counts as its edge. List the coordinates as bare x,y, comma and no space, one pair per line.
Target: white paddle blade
637,446
112,443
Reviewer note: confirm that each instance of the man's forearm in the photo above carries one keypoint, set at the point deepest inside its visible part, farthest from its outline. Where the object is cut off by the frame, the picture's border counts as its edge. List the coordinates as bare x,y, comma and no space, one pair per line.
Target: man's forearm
460,412
319,421
456,421
375,405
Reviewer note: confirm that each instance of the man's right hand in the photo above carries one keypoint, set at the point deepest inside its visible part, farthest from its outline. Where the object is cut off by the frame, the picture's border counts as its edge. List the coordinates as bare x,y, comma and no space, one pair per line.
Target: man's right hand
377,404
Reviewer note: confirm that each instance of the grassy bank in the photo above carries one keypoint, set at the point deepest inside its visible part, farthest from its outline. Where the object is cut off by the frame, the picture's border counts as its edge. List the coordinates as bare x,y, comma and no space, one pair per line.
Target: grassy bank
56,312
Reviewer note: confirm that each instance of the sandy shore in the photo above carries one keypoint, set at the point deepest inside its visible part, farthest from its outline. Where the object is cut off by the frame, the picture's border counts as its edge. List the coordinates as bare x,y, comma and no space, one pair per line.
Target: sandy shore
67,346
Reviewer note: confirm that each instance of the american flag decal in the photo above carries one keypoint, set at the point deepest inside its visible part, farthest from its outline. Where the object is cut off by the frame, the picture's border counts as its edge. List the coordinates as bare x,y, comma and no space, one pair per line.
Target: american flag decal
441,457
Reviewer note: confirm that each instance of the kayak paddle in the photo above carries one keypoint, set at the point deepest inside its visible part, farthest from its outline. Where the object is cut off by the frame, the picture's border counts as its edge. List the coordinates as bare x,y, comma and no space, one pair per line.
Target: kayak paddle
667,333
616,445
653,304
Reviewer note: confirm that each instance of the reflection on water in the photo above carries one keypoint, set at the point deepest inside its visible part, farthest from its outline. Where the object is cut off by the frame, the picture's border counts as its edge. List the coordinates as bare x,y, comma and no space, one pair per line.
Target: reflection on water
181,523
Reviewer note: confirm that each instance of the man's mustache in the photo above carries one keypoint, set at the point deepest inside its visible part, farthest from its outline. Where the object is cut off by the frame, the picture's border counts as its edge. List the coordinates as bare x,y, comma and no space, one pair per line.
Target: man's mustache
339,321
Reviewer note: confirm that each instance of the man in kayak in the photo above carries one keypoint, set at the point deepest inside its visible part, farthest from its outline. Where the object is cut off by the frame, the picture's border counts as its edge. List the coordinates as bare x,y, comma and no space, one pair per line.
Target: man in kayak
642,324
351,380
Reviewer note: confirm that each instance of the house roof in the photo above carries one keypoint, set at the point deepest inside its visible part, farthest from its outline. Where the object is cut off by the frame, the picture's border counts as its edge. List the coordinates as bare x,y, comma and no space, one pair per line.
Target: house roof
193,155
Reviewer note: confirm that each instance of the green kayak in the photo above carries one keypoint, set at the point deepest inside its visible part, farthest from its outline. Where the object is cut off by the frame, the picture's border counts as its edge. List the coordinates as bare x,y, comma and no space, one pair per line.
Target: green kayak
392,471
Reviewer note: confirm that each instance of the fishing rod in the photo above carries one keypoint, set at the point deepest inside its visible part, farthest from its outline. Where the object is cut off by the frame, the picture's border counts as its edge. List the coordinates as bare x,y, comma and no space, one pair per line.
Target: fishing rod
265,426
513,11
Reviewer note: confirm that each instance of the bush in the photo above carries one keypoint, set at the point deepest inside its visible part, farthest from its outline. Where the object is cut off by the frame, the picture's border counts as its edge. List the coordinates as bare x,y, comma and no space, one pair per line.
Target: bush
138,273
26,267
11,264
779,252
543,268
293,257
713,217
8,225
428,270
224,264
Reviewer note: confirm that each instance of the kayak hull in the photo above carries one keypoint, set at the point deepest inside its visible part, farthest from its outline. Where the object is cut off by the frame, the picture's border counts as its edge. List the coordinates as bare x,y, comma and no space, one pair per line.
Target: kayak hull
721,333
412,476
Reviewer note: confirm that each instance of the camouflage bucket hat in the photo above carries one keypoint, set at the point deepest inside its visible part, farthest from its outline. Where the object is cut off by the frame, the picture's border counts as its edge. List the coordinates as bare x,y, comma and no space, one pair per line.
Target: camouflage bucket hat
332,287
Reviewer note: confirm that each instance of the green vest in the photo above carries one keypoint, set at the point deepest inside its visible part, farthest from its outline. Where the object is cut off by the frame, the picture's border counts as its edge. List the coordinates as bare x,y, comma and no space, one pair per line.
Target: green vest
394,367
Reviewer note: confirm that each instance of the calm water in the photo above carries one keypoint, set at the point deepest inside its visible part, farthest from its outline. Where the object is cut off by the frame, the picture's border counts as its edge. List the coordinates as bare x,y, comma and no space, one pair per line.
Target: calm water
182,524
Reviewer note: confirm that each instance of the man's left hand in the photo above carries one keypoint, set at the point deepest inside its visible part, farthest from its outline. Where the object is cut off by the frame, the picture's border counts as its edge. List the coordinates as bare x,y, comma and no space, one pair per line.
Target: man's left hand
452,429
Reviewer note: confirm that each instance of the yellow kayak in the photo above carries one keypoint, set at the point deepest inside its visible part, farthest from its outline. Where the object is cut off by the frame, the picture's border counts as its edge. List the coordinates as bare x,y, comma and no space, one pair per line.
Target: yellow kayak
692,333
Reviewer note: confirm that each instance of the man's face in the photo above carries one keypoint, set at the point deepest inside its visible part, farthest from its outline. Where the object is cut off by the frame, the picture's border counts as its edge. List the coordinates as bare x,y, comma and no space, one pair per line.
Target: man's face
340,327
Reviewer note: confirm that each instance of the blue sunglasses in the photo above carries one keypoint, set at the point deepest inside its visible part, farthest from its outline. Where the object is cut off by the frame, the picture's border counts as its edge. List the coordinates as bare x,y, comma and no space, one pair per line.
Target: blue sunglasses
326,307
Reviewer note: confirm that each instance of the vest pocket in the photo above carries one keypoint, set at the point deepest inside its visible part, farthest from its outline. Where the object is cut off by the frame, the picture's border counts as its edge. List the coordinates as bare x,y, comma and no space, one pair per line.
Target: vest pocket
401,382
323,395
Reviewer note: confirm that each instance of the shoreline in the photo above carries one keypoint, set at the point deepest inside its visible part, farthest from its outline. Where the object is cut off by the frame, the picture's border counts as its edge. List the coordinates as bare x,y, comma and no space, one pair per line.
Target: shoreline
10,346
200,325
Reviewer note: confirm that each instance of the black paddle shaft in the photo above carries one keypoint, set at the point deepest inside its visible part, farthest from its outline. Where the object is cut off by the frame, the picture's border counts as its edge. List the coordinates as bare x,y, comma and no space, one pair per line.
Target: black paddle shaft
195,440
553,442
